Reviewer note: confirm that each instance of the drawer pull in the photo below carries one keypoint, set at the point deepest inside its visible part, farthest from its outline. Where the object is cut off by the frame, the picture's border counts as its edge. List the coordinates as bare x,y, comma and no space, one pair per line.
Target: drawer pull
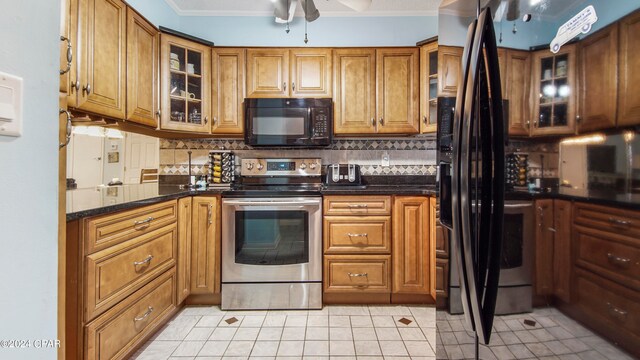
619,261
145,261
617,313
357,235
142,224
144,316
357,275
618,222
358,206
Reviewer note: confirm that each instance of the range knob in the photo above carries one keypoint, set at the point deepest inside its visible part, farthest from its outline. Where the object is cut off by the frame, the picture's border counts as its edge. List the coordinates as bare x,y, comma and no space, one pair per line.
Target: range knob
312,166
249,166
260,166
303,166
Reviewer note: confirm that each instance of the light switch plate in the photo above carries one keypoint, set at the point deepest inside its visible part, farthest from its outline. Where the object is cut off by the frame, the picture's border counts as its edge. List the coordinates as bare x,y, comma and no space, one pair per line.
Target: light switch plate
10,105
385,159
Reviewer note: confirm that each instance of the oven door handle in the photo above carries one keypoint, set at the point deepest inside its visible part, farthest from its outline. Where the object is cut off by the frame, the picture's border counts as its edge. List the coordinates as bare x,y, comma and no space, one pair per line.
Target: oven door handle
267,203
517,206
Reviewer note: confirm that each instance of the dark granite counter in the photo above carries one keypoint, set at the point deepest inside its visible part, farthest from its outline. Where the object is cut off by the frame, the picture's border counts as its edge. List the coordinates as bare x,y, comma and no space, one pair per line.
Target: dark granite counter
600,197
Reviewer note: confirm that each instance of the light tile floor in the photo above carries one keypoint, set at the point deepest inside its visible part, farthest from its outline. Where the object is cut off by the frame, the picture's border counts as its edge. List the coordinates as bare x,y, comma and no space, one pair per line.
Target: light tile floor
340,332
554,336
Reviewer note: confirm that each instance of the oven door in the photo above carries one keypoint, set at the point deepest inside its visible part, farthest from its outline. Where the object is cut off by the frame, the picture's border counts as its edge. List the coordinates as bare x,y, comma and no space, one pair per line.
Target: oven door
272,239
516,261
277,126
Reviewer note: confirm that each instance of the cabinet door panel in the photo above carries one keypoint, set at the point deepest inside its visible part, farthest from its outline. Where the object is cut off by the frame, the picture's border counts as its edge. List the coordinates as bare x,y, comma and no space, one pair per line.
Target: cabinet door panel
205,244
184,248
428,87
267,73
629,87
544,247
449,70
397,77
354,91
562,263
518,73
311,73
228,90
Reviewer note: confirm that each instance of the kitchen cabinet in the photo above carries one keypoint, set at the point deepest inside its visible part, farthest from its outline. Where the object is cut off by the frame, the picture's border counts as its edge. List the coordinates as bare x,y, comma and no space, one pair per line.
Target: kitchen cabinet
428,88
629,57
142,70
598,68
413,255
276,73
183,275
449,70
68,14
205,246
517,71
544,247
554,92
562,260
101,74
185,85
227,91
439,238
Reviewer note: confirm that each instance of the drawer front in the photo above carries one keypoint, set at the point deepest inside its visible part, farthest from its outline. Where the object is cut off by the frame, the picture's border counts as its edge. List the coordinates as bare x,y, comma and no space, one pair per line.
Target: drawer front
620,222
442,277
357,205
349,234
609,258
611,308
108,230
115,273
355,273
113,334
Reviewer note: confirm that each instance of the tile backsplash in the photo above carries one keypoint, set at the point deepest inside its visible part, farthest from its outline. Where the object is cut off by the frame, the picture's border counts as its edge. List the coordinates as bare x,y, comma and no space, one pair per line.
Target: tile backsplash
407,156
542,155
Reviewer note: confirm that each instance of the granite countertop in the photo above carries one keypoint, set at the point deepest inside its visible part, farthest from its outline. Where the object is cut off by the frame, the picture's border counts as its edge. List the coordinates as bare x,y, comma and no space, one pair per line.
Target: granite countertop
601,197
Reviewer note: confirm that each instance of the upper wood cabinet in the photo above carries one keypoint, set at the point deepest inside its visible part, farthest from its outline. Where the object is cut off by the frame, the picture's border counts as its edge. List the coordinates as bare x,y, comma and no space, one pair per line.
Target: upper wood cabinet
398,78
449,70
142,70
428,88
412,253
354,97
101,76
274,73
554,92
517,71
562,262
185,86
598,67
205,246
227,91
185,215
629,57
544,247
68,13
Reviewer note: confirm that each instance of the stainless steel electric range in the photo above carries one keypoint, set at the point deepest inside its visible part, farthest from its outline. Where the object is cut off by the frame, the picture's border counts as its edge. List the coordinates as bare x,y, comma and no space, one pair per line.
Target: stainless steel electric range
272,236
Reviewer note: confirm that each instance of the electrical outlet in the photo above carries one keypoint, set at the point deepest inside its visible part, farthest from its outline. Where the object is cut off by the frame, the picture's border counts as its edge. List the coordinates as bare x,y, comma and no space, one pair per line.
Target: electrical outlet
385,159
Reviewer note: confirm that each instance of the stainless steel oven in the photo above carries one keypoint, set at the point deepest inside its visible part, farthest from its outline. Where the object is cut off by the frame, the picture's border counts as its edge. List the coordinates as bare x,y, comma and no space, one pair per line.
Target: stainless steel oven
272,252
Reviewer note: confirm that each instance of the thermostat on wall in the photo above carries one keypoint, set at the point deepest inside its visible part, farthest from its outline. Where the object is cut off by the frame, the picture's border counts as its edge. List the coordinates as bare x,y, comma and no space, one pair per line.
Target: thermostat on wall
10,105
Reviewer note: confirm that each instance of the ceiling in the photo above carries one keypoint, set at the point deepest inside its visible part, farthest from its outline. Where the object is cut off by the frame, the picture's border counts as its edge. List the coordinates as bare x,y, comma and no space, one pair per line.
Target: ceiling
328,8
549,9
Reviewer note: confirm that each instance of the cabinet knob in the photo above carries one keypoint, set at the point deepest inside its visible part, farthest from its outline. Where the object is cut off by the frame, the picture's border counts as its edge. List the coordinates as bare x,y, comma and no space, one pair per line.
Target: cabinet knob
424,119
381,121
373,121
215,120
158,113
87,89
206,120
293,86
284,85
578,119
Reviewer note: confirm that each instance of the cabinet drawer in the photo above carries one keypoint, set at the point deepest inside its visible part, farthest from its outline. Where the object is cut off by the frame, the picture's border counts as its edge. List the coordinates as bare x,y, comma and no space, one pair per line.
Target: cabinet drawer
621,222
108,230
114,333
610,308
607,257
442,277
364,273
349,234
115,273
357,205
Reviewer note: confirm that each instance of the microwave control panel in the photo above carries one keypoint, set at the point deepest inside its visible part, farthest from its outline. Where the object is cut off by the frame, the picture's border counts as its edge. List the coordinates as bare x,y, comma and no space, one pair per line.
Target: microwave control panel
320,122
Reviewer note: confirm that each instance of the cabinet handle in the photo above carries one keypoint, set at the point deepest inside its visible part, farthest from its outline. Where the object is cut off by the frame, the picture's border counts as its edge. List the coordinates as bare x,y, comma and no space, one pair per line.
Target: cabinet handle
551,229
619,222
158,113
373,122
215,120
424,119
293,86
210,214
618,261
357,235
541,214
381,121
69,54
145,261
578,119
358,206
144,316
616,313
284,85
357,275
67,130
206,120
87,89
76,85
145,223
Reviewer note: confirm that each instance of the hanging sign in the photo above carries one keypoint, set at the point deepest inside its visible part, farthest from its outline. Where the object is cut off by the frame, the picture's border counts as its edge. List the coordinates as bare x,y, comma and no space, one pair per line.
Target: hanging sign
581,23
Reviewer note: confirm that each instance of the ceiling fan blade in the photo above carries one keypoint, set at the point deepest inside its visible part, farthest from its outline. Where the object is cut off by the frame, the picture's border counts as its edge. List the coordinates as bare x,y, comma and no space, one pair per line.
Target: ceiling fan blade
310,11
513,11
281,12
357,5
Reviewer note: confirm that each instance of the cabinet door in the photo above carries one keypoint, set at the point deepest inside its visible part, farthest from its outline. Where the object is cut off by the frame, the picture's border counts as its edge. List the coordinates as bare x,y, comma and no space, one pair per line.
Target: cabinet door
411,251
267,73
554,92
142,70
354,77
227,69
185,85
428,88
205,245
184,248
66,46
629,87
562,264
75,30
544,247
102,28
518,73
397,101
311,73
449,70
598,80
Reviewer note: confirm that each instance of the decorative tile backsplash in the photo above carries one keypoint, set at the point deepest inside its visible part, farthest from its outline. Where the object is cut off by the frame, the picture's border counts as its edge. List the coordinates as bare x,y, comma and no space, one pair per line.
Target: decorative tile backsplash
549,160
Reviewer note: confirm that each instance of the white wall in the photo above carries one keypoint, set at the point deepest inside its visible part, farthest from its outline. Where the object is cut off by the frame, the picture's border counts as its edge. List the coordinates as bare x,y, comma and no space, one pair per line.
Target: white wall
29,34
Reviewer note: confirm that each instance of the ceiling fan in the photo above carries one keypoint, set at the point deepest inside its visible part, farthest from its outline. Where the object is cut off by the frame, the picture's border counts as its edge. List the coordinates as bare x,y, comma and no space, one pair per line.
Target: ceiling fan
285,9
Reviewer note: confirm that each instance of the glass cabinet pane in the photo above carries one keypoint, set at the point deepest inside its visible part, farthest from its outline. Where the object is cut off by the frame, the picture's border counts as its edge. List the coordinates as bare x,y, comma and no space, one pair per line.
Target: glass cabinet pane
433,63
194,65
177,58
560,115
433,112
546,66
195,88
178,110
561,63
545,116
195,113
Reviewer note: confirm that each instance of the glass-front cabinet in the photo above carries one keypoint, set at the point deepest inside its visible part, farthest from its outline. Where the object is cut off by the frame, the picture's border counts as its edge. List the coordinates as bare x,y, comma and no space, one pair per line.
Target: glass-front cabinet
554,90
428,87
186,85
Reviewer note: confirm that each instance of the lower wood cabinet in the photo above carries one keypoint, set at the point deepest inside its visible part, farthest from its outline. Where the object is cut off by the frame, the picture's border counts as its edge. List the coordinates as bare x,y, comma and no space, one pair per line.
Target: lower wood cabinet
205,246
543,278
357,273
185,214
439,239
562,260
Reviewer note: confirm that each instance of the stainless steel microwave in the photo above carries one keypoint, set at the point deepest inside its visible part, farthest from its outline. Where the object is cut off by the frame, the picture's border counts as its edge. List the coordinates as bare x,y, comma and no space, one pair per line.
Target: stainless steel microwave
288,122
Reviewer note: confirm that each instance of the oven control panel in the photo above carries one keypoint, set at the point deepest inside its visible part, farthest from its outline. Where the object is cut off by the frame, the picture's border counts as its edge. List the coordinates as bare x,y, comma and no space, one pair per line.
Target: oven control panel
281,167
